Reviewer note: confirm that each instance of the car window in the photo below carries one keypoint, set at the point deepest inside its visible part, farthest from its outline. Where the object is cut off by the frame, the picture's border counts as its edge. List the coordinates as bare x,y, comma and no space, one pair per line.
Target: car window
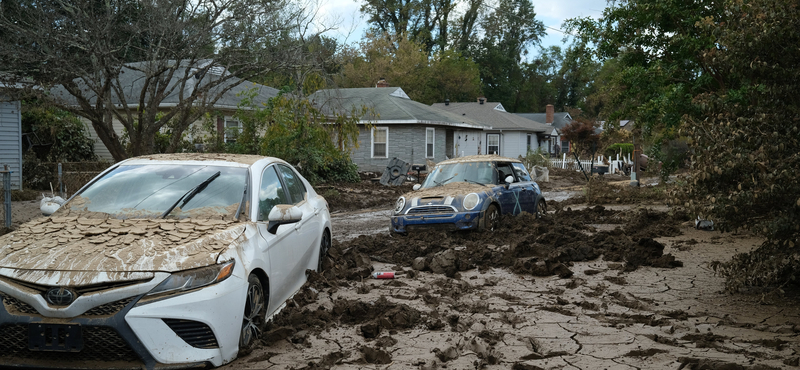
270,193
143,191
504,170
296,189
521,172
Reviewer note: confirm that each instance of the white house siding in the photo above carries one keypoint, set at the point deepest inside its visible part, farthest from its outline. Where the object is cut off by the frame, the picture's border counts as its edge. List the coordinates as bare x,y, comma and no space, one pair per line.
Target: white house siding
514,144
99,148
466,142
11,141
406,142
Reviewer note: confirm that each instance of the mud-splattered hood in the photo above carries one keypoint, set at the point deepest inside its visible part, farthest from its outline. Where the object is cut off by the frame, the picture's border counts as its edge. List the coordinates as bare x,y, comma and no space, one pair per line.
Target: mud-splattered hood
73,244
445,194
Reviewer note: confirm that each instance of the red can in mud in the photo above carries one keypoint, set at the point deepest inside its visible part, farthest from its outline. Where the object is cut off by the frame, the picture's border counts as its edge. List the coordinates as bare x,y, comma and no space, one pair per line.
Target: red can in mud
383,275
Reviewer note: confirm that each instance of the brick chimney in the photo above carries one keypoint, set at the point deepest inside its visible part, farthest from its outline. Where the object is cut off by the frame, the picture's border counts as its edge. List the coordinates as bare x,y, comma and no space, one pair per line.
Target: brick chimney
481,100
382,83
549,112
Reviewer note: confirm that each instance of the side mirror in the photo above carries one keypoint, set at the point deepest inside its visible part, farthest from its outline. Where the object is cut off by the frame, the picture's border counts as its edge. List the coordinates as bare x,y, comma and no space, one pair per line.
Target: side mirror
283,214
509,179
416,187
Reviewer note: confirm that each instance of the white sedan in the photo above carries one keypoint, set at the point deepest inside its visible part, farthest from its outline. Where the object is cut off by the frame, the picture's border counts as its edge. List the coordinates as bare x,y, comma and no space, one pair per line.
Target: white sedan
161,261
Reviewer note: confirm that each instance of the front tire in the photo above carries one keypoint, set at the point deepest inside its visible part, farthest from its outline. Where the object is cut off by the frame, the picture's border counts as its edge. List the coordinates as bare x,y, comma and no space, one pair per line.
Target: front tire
491,219
255,314
324,246
541,208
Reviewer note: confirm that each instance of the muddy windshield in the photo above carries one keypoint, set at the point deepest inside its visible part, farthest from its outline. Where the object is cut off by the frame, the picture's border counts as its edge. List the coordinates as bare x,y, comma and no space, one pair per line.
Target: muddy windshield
148,191
473,172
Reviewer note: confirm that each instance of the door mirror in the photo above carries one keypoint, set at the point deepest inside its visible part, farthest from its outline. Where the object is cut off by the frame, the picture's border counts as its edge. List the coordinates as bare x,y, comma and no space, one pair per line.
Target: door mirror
416,187
509,179
283,214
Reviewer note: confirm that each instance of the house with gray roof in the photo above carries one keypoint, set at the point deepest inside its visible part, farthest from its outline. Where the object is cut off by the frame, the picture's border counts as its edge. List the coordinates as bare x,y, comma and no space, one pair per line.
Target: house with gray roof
400,127
556,121
506,134
186,79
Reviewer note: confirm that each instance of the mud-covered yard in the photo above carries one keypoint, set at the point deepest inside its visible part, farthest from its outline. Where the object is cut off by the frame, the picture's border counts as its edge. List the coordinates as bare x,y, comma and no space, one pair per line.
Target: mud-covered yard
625,286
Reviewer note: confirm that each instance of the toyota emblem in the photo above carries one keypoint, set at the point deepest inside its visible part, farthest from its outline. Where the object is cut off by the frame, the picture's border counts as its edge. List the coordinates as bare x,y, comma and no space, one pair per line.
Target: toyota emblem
60,296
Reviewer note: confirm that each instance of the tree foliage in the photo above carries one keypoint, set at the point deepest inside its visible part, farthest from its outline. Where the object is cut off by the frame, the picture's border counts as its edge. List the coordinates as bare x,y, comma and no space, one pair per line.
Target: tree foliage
404,63
745,141
55,135
190,51
581,133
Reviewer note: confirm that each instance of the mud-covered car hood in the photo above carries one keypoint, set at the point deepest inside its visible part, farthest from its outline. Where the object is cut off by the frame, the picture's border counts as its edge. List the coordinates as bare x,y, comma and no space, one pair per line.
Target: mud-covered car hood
72,244
445,194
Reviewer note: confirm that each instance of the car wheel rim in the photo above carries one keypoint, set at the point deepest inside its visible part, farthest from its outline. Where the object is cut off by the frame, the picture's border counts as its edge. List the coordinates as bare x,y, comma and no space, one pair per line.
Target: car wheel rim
493,219
251,325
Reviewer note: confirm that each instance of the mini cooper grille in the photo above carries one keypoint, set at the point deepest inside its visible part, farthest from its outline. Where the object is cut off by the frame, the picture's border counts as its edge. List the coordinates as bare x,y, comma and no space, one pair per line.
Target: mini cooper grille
101,344
431,210
15,306
195,333
109,309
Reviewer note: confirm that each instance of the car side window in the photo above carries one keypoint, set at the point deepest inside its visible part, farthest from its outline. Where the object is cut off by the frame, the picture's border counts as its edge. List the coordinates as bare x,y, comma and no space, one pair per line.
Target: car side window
270,194
522,173
504,170
293,183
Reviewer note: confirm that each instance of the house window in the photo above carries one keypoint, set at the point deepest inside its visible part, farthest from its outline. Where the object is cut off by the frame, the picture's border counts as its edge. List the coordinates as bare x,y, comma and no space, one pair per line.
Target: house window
380,140
232,131
493,144
429,140
565,146
529,143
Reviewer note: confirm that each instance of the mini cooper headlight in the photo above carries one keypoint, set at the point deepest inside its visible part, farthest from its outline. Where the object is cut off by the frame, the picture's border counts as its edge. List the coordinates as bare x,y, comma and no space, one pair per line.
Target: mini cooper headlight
471,201
398,206
194,278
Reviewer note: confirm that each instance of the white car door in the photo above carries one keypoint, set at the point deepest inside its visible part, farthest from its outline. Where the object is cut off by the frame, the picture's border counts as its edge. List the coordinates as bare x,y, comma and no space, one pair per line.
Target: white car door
279,246
308,229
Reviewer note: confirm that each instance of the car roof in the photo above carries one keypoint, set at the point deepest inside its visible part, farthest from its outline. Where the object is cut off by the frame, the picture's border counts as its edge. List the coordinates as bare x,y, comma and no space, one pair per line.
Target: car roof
223,159
480,158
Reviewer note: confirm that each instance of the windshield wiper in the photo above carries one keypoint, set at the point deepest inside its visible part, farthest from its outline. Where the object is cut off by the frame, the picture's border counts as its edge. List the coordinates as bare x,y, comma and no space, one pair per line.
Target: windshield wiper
474,182
444,181
190,194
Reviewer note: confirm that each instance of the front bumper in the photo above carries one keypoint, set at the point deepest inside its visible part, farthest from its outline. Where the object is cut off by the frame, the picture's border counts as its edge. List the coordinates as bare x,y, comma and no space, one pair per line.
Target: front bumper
129,333
455,221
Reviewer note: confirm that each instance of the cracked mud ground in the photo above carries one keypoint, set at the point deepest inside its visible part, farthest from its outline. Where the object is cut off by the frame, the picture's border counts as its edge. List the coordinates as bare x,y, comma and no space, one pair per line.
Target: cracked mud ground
584,288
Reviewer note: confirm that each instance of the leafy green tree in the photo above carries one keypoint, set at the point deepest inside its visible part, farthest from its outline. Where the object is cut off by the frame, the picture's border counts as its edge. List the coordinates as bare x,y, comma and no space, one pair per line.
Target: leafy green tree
746,139
508,30
55,135
656,46
404,63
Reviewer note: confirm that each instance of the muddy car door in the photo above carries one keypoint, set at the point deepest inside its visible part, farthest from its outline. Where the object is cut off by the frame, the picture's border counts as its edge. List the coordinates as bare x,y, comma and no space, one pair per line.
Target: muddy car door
278,246
307,228
528,194
508,194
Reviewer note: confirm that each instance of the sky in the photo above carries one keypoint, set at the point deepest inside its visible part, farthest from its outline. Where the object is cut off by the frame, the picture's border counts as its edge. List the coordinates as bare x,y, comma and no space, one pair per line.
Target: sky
552,13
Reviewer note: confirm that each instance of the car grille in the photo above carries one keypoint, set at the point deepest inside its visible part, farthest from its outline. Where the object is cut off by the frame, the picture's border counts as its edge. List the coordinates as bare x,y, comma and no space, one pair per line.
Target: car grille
195,333
15,306
100,343
110,308
426,210
78,289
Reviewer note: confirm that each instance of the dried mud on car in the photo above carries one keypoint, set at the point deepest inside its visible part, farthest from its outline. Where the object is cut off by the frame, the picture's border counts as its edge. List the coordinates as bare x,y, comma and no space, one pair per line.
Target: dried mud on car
580,289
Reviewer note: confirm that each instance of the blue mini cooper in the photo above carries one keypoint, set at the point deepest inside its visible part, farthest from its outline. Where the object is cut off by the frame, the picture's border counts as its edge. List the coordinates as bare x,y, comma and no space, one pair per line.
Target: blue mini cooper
469,193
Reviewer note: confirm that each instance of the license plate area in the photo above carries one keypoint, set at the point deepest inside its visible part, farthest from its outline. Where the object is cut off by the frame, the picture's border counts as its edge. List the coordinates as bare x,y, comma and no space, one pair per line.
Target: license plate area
55,337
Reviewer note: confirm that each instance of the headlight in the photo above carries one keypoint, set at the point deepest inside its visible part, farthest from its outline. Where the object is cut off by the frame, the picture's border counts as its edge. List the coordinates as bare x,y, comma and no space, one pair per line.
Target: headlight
398,206
195,278
471,201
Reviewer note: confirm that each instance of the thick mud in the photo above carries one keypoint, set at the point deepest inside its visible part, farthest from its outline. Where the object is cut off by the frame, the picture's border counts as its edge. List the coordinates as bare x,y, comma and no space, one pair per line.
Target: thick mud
588,288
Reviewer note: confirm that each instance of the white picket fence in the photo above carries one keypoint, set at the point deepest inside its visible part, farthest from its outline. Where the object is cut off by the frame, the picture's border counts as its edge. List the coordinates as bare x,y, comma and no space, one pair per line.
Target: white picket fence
614,166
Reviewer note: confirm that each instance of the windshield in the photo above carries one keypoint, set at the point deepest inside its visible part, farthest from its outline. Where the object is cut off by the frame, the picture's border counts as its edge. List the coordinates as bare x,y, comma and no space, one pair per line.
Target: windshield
147,191
473,172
